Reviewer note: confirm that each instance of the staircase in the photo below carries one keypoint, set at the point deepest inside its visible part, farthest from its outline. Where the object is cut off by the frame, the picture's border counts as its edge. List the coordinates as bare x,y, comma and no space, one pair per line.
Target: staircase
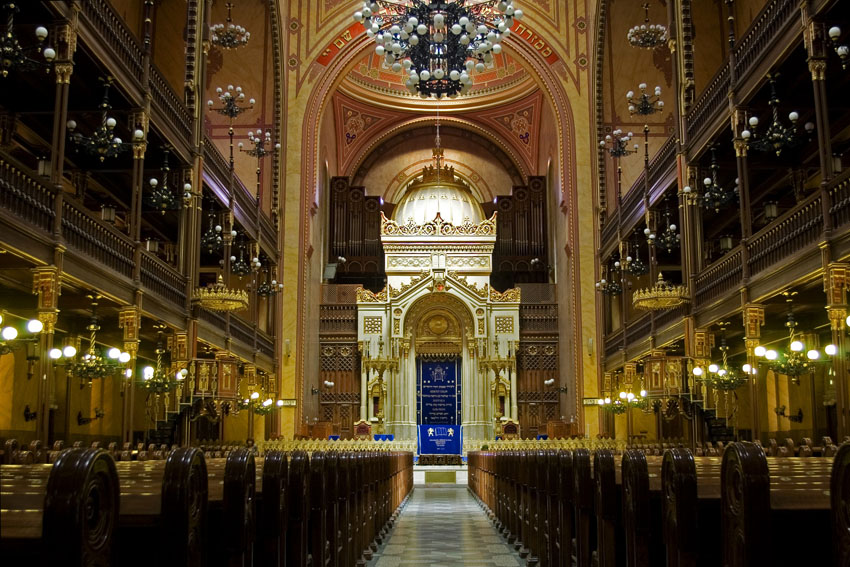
718,430
165,430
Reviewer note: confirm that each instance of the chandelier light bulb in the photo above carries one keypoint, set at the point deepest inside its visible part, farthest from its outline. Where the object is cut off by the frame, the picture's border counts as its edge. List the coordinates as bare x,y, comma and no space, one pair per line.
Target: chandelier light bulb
111,122
722,372
49,53
746,368
69,352
830,349
10,333
113,353
55,353
697,371
713,368
267,402
793,116
124,357
34,326
280,403
813,354
255,395
796,346
771,354
847,321
128,373
148,372
759,351
607,400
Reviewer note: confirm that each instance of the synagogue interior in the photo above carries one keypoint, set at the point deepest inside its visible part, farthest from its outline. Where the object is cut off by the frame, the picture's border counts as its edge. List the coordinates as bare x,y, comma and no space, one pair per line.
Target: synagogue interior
557,283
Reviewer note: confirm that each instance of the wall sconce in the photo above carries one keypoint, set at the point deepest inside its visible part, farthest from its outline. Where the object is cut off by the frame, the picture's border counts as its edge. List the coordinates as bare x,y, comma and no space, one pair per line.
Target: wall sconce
797,418
329,384
152,245
107,213
82,420
771,210
44,166
29,415
726,243
314,390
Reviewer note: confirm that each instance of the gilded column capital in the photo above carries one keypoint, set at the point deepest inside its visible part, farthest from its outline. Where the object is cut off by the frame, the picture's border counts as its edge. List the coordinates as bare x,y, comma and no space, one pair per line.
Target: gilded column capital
63,72
130,320
750,345
740,147
753,315
837,317
817,67
45,284
139,149
835,280
48,318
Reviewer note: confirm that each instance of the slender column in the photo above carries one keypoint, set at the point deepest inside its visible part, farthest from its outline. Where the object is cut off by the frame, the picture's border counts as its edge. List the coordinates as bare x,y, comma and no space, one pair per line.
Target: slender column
129,319
836,278
364,377
46,286
753,321
514,407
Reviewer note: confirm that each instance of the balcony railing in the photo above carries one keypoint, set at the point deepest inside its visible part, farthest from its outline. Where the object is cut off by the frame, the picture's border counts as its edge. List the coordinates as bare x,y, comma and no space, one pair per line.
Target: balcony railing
217,320
719,278
96,240
795,230
638,329
170,105
338,319
242,331
216,163
768,26
162,280
24,197
711,102
663,161
117,36
613,342
839,197
265,344
538,318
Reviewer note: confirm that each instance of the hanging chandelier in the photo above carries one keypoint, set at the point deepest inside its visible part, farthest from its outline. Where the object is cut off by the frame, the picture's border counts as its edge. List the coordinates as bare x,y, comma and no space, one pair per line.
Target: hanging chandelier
232,102
634,265
242,267
645,104
778,136
253,403
157,380
160,196
15,57
617,143
269,286
218,297
796,360
669,239
662,295
610,286
103,143
843,51
438,43
211,240
721,376
93,364
646,35
714,195
229,35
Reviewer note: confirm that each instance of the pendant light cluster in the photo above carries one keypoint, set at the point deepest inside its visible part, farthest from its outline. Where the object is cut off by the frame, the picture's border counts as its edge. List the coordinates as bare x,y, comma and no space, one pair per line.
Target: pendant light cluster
438,43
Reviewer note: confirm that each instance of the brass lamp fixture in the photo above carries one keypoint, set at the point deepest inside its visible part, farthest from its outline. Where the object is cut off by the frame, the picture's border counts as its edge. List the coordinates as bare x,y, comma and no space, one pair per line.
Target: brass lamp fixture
662,295
721,376
219,297
94,364
160,197
669,239
10,338
645,104
714,195
157,380
103,143
634,265
778,136
617,143
623,401
842,50
646,35
253,402
229,35
610,282
15,57
211,240
232,101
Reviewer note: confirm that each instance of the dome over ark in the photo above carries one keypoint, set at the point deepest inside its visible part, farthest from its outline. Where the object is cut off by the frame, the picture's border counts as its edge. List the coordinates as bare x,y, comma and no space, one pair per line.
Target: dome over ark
438,190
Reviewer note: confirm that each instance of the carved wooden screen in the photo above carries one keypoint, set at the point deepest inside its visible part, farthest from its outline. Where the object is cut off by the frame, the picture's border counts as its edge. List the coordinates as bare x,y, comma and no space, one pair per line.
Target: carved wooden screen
520,254
355,234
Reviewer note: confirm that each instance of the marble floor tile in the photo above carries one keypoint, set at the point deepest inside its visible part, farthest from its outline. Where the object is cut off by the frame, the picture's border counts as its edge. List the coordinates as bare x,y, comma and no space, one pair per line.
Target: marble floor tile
444,527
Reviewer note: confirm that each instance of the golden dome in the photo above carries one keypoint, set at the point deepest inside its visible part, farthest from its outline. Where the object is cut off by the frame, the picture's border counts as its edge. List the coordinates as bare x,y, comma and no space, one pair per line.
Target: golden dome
438,190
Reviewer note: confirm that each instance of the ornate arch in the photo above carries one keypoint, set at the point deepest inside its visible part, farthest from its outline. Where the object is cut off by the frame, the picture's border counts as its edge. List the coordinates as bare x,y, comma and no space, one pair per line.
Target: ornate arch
437,302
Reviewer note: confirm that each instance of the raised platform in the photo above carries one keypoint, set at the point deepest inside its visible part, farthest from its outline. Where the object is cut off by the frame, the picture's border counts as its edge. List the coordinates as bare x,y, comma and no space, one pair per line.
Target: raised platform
450,460
424,475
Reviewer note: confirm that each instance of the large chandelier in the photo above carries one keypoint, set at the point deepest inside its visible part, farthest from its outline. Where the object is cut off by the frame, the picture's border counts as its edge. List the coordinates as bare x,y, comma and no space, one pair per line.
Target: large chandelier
157,380
15,57
617,143
94,364
663,295
778,136
229,35
645,104
646,35
634,265
715,196
438,43
160,197
232,105
721,376
218,297
103,143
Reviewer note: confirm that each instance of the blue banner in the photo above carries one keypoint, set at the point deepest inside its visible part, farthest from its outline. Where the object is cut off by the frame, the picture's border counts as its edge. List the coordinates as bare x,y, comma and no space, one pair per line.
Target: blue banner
440,440
438,392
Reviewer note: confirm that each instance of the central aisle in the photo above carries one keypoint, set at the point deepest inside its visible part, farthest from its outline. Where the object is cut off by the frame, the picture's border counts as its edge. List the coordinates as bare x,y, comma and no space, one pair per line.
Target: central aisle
444,527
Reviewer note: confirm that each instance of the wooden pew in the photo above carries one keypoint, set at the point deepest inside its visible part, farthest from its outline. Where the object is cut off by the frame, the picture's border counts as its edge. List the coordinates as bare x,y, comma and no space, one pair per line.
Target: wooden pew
297,539
273,509
840,504
60,514
583,491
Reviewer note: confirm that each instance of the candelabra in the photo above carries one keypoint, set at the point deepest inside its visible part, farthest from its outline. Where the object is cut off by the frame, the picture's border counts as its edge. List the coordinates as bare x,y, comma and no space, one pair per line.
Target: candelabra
231,100
778,136
156,380
715,196
438,43
634,265
645,104
211,240
268,287
843,51
669,239
229,35
258,149
103,143
242,267
160,196
616,143
253,403
646,35
15,57
612,286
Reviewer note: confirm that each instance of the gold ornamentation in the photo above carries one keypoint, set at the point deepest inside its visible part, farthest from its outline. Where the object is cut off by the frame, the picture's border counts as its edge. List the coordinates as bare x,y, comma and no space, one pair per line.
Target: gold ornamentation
438,227
481,292
366,296
405,286
662,295
438,324
373,325
505,325
512,295
219,297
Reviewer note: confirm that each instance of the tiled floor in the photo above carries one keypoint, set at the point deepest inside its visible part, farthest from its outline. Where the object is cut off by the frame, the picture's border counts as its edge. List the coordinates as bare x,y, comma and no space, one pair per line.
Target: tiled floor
444,527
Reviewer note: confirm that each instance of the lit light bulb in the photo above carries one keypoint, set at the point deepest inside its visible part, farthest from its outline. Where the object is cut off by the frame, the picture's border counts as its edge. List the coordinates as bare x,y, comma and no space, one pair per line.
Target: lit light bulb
643,393
796,346
713,368
830,350
69,352
255,396
697,371
34,326
147,373
746,368
812,354
771,354
10,333
280,403
128,373
623,395
759,351
268,402
55,353
113,353
124,357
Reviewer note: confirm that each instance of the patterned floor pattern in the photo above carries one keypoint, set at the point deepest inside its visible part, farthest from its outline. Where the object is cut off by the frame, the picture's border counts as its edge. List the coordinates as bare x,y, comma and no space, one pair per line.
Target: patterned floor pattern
444,527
